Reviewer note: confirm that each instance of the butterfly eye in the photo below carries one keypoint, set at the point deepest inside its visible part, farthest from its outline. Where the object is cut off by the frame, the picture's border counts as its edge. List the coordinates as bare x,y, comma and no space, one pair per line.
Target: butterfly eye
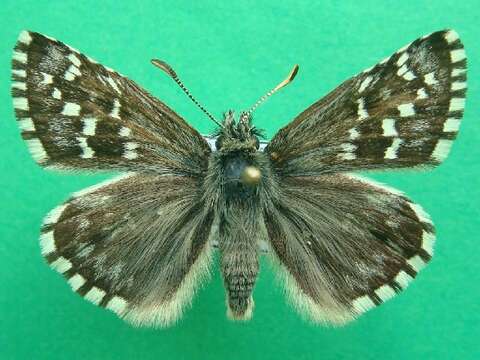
219,143
257,143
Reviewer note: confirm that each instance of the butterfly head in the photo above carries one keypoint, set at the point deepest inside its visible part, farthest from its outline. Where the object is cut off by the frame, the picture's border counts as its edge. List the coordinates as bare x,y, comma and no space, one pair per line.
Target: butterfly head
237,135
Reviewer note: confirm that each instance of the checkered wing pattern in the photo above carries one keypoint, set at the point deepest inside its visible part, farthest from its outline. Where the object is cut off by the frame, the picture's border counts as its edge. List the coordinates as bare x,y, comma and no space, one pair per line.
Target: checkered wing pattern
77,114
403,112
136,245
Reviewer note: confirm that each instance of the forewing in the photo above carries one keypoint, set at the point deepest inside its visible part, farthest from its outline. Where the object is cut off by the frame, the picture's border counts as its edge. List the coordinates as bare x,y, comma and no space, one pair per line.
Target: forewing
346,244
77,114
137,245
403,112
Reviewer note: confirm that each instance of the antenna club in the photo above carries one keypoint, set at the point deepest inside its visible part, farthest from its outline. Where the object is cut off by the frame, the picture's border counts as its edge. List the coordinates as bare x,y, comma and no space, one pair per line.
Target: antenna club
288,79
162,65
284,83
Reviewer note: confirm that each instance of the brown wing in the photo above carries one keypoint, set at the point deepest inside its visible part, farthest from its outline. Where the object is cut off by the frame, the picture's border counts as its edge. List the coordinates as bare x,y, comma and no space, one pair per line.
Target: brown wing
346,244
77,114
137,245
403,112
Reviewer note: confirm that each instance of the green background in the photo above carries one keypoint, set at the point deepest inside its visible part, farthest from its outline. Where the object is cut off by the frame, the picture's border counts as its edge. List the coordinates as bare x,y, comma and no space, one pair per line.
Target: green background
229,55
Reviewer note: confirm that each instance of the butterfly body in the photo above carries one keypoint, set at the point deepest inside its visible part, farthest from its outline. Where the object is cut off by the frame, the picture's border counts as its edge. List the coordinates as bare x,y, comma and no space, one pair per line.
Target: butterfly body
140,244
237,196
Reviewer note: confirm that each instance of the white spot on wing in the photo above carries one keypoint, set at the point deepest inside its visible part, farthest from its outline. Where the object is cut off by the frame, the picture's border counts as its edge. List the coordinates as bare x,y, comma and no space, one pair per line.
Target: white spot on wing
402,59
20,103
72,72
457,55
116,109
409,76
125,131
87,151
402,70
75,60
406,109
61,265
117,304
348,151
69,76
442,149
365,83
113,84
362,112
451,36
458,85
348,147
71,109
37,150
430,78
348,156
57,94
89,126
26,124
428,240
385,292
363,304
451,125
19,85
353,134
421,94
388,126
47,243
19,73
458,72
391,151
130,152
53,216
76,281
403,279
456,104
95,295
131,146
47,79
20,56
416,263
25,37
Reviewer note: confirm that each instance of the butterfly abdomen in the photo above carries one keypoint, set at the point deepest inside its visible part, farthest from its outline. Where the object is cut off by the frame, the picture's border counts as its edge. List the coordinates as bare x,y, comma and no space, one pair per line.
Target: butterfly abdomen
239,259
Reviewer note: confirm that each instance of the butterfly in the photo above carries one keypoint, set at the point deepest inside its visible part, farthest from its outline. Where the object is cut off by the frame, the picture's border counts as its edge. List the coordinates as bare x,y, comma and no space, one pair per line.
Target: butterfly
142,243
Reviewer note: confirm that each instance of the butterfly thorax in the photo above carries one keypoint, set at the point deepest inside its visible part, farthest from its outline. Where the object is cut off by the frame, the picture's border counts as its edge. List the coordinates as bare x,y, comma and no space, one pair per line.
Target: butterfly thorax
235,159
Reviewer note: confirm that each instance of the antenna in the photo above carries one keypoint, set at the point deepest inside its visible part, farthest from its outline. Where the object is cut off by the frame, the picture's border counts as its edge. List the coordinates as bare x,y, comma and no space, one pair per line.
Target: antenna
162,65
284,83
